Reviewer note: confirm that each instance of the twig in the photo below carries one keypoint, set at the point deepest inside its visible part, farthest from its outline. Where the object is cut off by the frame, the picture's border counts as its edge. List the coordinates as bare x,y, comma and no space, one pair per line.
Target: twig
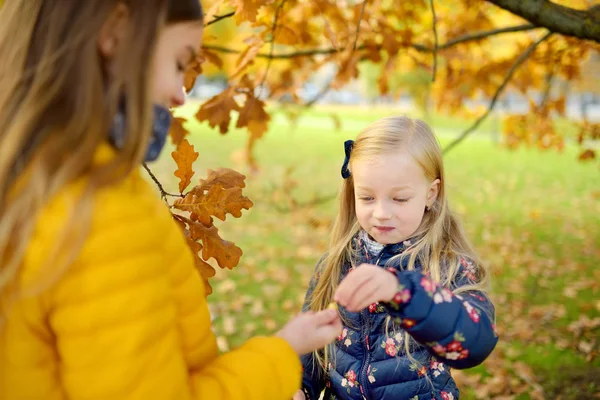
217,18
416,46
327,87
435,41
301,205
486,34
319,95
264,79
163,192
548,89
360,17
507,78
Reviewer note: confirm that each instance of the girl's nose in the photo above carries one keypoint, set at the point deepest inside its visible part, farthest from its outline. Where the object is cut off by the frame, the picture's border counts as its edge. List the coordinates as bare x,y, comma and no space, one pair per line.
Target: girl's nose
381,212
178,98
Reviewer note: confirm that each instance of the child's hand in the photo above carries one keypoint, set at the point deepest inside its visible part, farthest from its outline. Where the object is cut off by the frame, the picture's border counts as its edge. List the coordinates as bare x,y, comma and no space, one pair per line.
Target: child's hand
299,395
366,285
312,330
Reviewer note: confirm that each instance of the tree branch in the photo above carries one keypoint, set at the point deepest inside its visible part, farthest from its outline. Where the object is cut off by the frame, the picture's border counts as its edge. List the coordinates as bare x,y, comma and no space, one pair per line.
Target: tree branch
416,46
319,95
548,89
264,79
360,17
435,43
486,34
327,87
217,18
163,192
499,91
583,24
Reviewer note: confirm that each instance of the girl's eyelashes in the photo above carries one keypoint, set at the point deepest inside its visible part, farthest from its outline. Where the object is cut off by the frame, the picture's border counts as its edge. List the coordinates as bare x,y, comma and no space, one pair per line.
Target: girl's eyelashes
180,67
396,199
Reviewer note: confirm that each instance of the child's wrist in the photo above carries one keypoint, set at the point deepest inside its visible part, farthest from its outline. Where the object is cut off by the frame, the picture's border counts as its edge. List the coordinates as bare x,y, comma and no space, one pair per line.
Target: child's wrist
401,294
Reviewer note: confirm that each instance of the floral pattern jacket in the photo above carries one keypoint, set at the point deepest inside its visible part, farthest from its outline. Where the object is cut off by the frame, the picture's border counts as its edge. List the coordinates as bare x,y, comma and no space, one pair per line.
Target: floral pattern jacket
370,360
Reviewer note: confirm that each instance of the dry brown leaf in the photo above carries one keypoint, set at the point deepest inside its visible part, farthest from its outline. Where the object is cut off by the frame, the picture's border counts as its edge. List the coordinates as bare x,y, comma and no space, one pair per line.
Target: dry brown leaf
184,157
227,254
206,271
588,154
285,35
246,58
225,177
246,10
216,202
177,130
211,57
217,110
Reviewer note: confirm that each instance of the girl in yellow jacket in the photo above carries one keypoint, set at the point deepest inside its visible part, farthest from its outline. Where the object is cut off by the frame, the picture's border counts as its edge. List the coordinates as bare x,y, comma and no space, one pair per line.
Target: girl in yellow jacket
98,293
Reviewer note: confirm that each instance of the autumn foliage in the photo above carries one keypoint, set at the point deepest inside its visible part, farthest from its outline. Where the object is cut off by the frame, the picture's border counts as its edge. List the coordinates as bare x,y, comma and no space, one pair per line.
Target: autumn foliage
472,50
216,196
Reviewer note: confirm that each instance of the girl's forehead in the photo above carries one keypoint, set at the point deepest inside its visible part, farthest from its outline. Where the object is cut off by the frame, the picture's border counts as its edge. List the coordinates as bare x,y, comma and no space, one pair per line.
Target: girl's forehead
396,169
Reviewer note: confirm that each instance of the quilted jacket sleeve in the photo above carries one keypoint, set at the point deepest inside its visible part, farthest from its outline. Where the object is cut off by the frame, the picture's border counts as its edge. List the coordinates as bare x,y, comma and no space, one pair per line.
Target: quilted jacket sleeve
131,321
458,329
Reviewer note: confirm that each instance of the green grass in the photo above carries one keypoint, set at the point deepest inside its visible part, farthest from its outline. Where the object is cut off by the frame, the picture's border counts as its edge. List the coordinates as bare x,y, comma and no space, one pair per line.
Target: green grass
534,216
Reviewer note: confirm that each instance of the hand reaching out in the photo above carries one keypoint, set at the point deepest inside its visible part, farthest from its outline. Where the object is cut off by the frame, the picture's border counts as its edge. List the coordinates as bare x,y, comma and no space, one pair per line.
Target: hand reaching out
312,330
365,285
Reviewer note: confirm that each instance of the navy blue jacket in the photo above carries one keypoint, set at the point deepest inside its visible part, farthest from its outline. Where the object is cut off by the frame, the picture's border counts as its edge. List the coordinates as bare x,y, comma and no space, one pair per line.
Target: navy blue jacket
370,361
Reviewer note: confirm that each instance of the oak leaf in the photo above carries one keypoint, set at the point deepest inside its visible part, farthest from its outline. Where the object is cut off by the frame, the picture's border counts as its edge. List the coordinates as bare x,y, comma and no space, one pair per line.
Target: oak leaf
184,156
226,253
217,110
177,130
214,202
225,177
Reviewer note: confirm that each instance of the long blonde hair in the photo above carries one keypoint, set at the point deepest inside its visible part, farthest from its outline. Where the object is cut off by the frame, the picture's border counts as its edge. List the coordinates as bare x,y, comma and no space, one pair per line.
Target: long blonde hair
440,240
57,102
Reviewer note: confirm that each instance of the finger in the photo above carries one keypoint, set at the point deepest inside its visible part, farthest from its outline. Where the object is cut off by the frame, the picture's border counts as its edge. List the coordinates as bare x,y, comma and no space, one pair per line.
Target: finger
367,294
330,332
350,284
359,286
299,395
325,317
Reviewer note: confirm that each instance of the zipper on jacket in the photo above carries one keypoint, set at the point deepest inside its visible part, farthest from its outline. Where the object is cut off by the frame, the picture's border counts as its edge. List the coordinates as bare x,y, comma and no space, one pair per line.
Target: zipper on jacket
363,377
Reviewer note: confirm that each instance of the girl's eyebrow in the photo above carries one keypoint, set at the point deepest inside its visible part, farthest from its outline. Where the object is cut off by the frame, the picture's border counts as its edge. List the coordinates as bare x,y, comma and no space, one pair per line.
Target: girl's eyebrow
393,188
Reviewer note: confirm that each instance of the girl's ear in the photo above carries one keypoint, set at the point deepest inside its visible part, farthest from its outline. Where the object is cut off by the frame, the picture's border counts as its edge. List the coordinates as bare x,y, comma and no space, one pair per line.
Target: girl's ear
433,192
113,31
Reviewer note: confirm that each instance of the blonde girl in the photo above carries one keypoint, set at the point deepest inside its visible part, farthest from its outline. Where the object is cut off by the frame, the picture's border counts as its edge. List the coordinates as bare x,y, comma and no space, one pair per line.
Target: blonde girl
411,292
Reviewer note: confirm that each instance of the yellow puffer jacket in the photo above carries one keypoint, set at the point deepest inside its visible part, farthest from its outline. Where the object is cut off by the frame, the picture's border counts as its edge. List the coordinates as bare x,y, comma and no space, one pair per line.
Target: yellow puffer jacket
129,319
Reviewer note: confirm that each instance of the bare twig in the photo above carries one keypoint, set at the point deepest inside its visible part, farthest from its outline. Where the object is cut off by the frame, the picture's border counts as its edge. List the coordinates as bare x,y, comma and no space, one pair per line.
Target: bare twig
327,87
416,46
360,17
499,91
485,34
163,192
217,18
295,205
264,79
319,95
548,89
435,41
